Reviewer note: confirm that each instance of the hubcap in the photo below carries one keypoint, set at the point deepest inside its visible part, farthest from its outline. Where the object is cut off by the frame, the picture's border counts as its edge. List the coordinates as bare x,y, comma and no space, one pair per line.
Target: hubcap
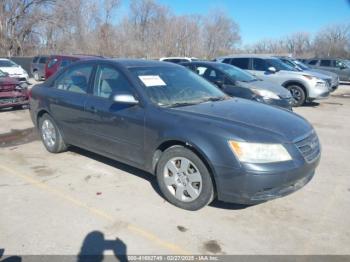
49,133
183,179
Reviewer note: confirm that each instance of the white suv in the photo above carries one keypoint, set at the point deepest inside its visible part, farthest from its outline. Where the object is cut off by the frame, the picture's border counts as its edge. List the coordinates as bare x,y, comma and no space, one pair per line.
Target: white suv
178,59
302,85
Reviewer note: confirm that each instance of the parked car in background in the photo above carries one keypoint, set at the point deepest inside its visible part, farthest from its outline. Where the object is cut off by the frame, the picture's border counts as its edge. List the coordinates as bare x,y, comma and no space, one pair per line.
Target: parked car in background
178,60
302,85
12,92
167,120
239,83
37,67
13,70
56,62
338,66
331,78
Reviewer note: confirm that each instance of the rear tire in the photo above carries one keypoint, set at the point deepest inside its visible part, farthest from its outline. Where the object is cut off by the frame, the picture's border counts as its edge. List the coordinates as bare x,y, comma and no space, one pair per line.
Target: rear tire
184,179
36,76
298,94
50,135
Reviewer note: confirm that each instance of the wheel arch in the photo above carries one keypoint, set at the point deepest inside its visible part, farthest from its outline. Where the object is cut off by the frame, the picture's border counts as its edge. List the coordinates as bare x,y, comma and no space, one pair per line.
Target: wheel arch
298,83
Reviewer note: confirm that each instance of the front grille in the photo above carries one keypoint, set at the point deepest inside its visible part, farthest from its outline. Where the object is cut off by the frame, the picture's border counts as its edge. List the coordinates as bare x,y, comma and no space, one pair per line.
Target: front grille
14,100
309,147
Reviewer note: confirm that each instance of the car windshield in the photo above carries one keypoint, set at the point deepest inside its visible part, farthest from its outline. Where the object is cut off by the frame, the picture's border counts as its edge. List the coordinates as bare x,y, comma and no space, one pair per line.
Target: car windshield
301,65
7,63
279,65
236,73
172,86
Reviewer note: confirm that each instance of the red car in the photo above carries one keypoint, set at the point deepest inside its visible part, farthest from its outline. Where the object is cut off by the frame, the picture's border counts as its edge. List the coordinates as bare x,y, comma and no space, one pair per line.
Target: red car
12,92
56,62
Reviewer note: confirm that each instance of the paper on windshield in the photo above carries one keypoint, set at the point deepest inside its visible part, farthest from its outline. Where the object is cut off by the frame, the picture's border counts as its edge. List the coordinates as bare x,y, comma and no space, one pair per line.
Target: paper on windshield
152,80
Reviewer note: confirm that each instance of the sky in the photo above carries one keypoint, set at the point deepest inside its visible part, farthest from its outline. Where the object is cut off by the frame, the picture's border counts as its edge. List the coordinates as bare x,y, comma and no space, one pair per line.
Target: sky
270,19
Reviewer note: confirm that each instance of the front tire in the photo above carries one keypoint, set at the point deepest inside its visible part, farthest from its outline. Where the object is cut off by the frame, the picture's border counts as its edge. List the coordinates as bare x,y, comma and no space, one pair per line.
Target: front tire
184,179
50,135
298,94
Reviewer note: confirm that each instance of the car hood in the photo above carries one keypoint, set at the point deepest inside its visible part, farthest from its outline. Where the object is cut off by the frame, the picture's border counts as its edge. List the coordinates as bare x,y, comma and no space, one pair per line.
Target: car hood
13,70
318,74
253,121
266,85
324,72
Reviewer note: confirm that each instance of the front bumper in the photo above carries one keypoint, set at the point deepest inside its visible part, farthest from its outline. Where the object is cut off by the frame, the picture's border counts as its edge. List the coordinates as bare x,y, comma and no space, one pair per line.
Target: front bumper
318,93
13,98
255,183
21,78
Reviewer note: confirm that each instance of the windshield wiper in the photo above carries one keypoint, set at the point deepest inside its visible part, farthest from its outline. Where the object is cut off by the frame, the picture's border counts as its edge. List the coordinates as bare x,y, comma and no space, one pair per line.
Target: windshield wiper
179,104
212,99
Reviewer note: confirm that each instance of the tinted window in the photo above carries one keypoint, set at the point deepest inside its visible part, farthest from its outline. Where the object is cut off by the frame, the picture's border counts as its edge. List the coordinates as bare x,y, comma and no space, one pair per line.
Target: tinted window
259,64
313,62
236,73
325,63
341,64
42,60
52,62
35,59
75,79
242,63
175,60
65,62
279,65
227,61
109,81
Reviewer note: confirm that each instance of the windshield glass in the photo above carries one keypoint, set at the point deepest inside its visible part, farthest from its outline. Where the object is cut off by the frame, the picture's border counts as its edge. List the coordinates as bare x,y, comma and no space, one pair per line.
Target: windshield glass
301,65
7,63
172,86
236,73
279,65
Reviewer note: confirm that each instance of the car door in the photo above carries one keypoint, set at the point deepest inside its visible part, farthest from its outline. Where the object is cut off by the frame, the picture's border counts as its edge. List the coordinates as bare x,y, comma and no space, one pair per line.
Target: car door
260,68
115,129
328,65
343,70
67,98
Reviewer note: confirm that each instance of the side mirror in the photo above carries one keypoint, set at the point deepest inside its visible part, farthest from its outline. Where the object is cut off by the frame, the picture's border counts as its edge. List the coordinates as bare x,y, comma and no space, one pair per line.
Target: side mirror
125,99
272,69
343,67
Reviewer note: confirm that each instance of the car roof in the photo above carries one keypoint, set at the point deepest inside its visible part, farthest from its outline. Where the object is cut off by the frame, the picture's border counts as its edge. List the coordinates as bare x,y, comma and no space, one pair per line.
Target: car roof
134,62
209,63
248,56
77,56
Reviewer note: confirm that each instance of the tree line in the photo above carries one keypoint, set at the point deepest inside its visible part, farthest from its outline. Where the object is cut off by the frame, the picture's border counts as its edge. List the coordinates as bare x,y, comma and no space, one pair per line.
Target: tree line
147,29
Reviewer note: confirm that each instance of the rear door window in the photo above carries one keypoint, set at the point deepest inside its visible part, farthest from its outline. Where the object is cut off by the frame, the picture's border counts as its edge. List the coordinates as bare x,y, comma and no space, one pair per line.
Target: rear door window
259,64
312,62
42,60
326,63
242,63
75,79
227,61
35,59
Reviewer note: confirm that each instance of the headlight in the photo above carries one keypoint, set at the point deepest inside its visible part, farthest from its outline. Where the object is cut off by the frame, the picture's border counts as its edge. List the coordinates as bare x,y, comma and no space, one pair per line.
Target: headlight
259,153
265,93
309,77
321,83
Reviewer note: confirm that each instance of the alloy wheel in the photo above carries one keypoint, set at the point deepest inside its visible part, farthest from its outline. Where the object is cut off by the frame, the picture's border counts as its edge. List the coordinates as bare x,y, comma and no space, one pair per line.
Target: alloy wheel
183,179
49,133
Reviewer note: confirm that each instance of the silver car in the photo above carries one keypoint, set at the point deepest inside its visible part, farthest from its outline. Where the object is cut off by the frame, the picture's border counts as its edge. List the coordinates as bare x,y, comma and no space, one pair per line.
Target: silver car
302,85
331,78
339,66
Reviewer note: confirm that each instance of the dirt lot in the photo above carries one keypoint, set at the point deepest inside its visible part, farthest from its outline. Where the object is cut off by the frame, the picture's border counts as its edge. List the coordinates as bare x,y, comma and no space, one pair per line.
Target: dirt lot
79,202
